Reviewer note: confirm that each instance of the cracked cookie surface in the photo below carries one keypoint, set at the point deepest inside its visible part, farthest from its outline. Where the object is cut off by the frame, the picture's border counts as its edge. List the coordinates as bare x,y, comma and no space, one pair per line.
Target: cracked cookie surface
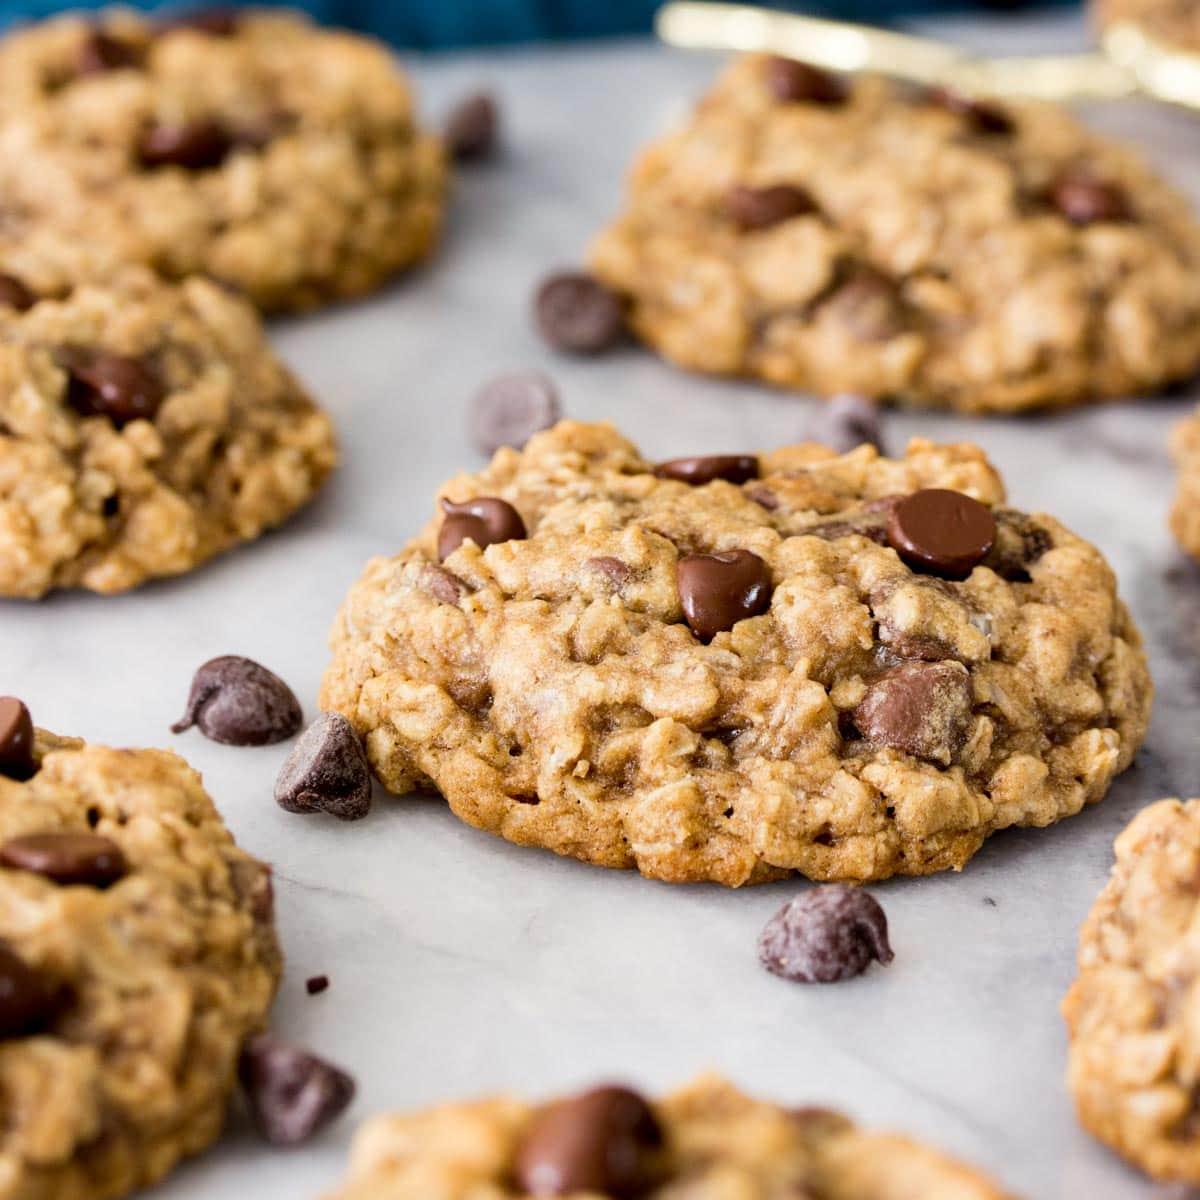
1185,512
712,1142
906,245
864,719
1134,1011
144,427
158,977
279,158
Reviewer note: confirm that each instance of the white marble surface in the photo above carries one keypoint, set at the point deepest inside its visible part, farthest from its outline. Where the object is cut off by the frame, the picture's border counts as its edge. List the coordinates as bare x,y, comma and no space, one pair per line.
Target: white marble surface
460,964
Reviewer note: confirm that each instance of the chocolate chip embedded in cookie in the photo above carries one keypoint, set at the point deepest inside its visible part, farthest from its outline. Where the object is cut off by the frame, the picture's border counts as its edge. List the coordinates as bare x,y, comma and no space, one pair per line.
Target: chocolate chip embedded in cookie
905,244
706,1141
742,666
137,954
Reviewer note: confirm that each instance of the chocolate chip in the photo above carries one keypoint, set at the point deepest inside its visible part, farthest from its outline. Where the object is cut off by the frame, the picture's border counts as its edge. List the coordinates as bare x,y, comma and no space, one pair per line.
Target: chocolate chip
16,739
471,127
316,984
510,409
86,859
100,52
982,115
1085,201
252,882
326,771
846,422
486,520
617,573
27,999
824,935
215,21
115,386
291,1093
14,294
868,304
578,314
236,701
733,468
606,1141
195,145
920,708
442,585
761,207
797,83
1019,544
943,532
719,590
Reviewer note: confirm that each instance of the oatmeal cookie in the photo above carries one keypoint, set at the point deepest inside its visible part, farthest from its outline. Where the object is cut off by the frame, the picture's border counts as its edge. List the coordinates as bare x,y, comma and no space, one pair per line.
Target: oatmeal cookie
144,427
1185,513
279,158
1133,1014
840,236
1173,23
738,667
137,953
707,1142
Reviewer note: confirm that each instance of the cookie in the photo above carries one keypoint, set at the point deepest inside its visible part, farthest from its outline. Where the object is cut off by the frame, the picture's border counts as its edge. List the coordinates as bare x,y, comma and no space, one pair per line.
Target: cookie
860,236
144,427
137,953
650,666
707,1141
1173,23
1134,1065
279,158
1185,513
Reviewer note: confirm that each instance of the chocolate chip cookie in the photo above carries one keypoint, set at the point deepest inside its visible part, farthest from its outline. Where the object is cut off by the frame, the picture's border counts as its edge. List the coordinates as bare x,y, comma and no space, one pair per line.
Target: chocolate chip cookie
137,953
737,667
1185,513
707,1142
1173,23
859,236
281,159
144,427
1134,1066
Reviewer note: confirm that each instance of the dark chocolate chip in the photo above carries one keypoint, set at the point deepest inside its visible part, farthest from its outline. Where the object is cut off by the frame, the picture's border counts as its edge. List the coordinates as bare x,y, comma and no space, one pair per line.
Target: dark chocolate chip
578,314
100,52
214,20
824,935
326,771
1019,544
252,882
719,590
196,145
797,83
868,304
486,520
85,859
471,128
733,468
442,585
982,115
510,409
291,1093
919,708
236,701
606,1141
846,422
1084,200
14,294
617,573
940,531
27,1000
115,386
754,208
316,984
16,739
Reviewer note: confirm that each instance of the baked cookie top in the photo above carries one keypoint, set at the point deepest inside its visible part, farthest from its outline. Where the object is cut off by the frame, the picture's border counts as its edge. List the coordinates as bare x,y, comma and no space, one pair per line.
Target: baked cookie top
143,428
1185,512
280,158
706,1142
810,700
1173,23
862,236
1134,1065
137,952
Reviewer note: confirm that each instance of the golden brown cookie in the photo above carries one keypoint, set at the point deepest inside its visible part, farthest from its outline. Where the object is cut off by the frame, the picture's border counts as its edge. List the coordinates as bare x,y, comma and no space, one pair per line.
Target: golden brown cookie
1175,24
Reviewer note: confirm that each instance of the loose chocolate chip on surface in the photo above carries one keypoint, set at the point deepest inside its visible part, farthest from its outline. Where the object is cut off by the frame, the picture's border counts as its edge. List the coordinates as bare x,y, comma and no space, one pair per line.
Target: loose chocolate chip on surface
100,52
733,468
824,935
291,1093
471,128
605,1141
86,859
215,21
16,739
26,997
983,116
14,294
116,386
920,708
510,409
719,590
316,984
1085,201
239,702
486,520
578,314
869,305
326,771
797,83
754,208
195,145
846,422
940,531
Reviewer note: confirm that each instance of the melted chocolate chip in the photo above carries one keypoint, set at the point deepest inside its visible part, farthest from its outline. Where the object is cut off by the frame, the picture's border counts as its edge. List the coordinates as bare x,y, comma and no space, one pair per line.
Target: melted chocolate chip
14,294
1084,200
197,145
471,127
84,859
16,739
617,573
578,314
940,531
733,468
919,708
486,520
100,52
510,409
719,590
825,935
869,305
27,1000
797,83
442,585
115,386
982,115
326,771
239,702
753,208
292,1094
